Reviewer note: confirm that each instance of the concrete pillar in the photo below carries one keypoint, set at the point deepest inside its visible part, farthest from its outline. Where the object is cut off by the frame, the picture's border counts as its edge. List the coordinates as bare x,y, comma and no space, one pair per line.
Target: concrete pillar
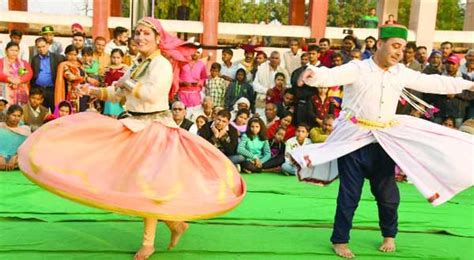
18,5
469,16
210,20
116,8
386,8
100,18
318,14
423,21
296,12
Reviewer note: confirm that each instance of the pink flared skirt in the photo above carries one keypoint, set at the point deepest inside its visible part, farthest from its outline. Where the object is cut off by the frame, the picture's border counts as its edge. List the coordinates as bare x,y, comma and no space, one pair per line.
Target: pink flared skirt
159,171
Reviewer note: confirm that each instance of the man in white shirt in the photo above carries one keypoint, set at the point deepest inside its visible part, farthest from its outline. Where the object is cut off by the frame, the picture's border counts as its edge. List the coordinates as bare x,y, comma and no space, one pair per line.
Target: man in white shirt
228,69
119,41
292,58
79,40
369,139
265,80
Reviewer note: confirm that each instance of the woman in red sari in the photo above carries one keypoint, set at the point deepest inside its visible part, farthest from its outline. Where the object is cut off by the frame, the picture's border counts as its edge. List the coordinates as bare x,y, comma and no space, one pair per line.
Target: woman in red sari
15,75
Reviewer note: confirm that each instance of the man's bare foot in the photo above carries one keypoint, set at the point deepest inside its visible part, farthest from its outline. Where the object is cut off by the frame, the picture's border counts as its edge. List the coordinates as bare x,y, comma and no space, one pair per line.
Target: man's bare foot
177,230
388,245
343,250
144,252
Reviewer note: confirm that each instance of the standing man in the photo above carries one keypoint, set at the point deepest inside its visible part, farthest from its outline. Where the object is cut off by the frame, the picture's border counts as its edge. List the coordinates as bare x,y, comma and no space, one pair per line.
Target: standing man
54,46
100,56
119,41
78,41
369,139
265,79
248,63
16,36
192,76
77,28
422,56
410,62
446,50
409,59
325,52
370,20
304,93
183,13
292,58
228,69
45,67
348,43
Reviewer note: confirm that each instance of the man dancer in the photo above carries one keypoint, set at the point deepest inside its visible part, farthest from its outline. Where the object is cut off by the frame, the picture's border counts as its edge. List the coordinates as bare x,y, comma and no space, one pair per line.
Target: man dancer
369,139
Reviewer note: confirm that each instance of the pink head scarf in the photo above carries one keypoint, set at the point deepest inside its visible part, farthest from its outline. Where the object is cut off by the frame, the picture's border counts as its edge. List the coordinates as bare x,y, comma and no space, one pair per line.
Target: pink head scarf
175,49
58,106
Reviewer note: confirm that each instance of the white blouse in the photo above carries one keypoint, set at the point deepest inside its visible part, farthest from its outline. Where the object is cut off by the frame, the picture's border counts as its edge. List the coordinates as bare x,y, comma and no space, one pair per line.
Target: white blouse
150,94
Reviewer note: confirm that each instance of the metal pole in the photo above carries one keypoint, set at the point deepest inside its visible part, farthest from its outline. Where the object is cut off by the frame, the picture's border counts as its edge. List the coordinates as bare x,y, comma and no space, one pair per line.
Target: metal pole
139,9
153,8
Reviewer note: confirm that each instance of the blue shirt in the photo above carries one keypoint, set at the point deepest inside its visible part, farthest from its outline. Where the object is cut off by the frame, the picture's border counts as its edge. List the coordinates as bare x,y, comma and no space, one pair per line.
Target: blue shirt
45,76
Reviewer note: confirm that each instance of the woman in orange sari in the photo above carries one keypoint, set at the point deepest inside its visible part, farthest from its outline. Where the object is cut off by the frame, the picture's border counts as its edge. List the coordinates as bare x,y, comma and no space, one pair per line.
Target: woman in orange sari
15,75
69,76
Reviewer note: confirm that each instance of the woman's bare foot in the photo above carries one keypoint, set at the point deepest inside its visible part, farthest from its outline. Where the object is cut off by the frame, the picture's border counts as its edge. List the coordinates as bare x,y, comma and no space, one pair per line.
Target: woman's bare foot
177,229
343,250
144,252
388,245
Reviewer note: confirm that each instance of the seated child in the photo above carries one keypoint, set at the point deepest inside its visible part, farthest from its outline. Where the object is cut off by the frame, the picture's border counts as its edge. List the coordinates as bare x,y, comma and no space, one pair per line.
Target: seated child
64,108
254,146
34,113
200,121
277,149
275,94
216,86
300,139
240,121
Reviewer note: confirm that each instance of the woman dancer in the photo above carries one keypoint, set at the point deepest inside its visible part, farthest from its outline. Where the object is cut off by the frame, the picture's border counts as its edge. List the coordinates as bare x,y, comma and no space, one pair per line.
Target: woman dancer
148,166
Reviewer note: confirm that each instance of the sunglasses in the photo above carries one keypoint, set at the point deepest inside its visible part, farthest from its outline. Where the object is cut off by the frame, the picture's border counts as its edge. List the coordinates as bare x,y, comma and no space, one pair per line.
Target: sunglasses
178,109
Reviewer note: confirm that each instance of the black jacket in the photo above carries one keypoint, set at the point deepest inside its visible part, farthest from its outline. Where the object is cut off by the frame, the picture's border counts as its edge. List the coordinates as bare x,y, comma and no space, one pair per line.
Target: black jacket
186,124
54,58
227,144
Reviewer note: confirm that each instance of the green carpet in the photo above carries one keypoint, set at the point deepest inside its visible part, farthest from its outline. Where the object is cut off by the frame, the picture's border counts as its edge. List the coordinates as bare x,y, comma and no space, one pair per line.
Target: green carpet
279,219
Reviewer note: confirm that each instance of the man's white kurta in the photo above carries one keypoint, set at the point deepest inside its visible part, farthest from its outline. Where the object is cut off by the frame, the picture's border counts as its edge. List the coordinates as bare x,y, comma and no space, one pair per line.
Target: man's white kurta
439,160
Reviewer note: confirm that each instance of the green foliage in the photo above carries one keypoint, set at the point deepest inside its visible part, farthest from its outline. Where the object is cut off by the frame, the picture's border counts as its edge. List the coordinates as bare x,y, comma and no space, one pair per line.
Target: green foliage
241,11
167,9
404,7
126,8
450,15
341,13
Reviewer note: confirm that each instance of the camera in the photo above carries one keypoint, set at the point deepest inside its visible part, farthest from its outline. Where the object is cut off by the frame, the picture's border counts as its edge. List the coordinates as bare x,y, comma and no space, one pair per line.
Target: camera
347,31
